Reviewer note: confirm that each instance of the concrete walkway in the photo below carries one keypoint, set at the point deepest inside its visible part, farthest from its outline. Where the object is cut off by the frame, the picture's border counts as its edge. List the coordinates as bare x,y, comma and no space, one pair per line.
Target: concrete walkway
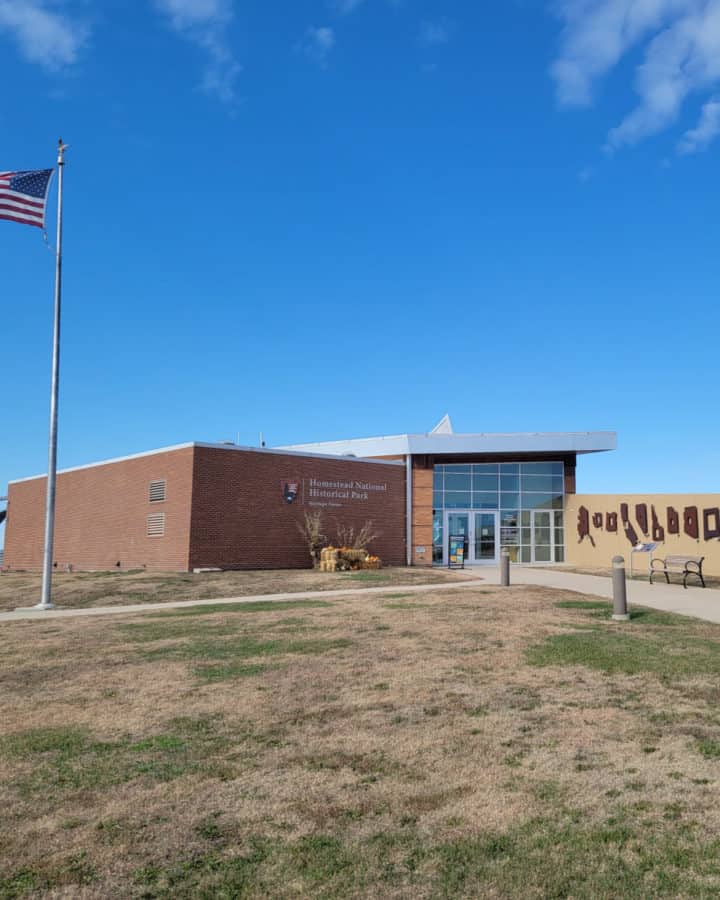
65,612
704,603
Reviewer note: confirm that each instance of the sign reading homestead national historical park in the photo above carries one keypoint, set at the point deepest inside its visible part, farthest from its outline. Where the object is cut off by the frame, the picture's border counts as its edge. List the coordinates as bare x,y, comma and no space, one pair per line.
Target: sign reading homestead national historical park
331,493
318,492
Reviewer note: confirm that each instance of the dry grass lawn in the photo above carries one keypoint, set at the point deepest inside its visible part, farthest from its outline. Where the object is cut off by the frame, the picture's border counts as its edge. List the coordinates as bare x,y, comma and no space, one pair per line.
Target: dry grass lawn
81,589
466,743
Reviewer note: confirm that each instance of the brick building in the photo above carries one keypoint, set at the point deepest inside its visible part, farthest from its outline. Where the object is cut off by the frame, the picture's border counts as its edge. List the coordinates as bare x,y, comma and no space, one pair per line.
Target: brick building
204,506
224,506
495,490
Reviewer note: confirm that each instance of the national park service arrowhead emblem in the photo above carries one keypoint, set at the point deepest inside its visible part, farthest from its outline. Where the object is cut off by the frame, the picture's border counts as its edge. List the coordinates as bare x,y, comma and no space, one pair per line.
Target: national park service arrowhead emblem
289,490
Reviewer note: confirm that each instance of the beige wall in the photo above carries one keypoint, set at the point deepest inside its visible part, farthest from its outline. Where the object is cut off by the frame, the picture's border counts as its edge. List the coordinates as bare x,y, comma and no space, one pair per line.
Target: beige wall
600,545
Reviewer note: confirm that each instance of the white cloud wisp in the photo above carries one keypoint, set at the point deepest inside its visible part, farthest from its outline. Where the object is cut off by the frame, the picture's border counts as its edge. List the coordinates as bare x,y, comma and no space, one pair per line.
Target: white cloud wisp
681,57
44,36
317,43
205,23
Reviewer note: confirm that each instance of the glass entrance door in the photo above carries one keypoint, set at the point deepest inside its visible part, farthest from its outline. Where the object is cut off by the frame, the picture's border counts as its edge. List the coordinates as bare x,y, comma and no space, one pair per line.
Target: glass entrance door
480,530
543,549
485,544
456,523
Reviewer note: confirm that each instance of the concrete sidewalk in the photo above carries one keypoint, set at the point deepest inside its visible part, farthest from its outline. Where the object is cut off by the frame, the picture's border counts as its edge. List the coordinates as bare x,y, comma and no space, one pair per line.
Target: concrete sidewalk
702,603
65,612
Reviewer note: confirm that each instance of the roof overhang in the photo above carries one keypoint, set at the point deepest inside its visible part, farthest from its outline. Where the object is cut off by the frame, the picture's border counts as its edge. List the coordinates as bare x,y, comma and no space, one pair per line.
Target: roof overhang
467,444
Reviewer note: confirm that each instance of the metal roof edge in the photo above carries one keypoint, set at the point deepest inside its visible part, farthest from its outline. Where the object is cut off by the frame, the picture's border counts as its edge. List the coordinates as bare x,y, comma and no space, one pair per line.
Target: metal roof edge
193,444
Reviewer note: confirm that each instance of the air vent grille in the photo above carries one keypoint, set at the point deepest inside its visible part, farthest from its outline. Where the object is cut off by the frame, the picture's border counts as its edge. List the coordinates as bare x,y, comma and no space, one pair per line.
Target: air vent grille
156,525
158,491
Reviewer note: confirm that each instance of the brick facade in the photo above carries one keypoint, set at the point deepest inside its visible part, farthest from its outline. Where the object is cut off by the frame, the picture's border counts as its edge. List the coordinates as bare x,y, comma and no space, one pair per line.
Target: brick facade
101,516
241,520
224,508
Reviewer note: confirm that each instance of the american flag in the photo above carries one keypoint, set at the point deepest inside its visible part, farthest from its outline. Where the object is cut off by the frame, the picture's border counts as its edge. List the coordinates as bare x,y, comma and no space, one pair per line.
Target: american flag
23,196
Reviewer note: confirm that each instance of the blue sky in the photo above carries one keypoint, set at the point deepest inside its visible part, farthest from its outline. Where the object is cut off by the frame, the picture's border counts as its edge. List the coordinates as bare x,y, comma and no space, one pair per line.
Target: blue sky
338,219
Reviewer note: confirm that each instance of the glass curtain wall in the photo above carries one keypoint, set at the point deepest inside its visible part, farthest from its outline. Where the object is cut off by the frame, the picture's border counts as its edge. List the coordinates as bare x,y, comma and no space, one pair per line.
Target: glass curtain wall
530,498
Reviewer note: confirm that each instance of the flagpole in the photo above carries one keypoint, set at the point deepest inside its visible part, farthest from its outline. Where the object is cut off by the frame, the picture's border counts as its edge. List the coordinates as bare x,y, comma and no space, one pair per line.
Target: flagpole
46,598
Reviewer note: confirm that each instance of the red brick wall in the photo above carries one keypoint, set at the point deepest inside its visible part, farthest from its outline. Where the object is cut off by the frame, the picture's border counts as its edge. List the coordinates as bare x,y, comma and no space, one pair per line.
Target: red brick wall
101,516
241,520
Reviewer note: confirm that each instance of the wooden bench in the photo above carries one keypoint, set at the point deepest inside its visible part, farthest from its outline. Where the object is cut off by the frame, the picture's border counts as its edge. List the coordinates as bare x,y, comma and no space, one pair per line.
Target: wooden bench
680,565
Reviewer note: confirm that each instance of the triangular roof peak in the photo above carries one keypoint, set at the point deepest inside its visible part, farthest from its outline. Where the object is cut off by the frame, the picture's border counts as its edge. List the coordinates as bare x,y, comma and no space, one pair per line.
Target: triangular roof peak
444,426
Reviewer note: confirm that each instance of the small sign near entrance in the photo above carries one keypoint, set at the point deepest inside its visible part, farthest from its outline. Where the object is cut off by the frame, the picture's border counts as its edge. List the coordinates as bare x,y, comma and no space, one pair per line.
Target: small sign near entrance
456,555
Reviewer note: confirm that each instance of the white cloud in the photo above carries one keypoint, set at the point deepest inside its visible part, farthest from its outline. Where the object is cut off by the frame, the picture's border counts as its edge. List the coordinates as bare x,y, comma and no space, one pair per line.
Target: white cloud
434,33
707,129
347,6
681,56
45,36
317,43
205,23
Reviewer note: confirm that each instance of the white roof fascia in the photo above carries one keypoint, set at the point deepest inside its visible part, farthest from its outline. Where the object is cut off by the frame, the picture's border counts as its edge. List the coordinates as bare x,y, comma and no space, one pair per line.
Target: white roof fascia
442,444
273,451
392,445
568,442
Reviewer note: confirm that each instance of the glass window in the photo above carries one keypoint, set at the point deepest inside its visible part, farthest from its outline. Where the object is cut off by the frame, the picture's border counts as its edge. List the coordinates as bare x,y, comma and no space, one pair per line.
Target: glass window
559,536
437,479
537,483
509,469
525,518
557,502
437,537
558,484
457,499
558,519
509,483
542,554
455,482
509,518
485,501
537,501
485,469
541,468
559,554
526,535
509,501
485,482
462,470
525,554
438,499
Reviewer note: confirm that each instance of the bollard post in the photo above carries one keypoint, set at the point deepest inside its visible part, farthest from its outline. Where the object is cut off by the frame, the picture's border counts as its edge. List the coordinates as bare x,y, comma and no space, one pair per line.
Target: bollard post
504,567
620,610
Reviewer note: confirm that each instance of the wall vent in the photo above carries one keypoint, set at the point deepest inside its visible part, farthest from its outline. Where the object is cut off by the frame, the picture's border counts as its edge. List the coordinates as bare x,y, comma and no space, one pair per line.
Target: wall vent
156,525
158,491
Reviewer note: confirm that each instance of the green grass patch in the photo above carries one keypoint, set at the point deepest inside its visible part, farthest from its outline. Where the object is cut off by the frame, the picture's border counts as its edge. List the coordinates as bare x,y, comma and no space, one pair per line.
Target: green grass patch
69,760
667,655
229,671
602,609
543,858
710,749
240,647
253,606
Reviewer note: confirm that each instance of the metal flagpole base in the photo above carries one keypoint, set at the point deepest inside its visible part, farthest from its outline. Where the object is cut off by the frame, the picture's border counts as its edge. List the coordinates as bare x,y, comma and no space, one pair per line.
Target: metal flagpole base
39,607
